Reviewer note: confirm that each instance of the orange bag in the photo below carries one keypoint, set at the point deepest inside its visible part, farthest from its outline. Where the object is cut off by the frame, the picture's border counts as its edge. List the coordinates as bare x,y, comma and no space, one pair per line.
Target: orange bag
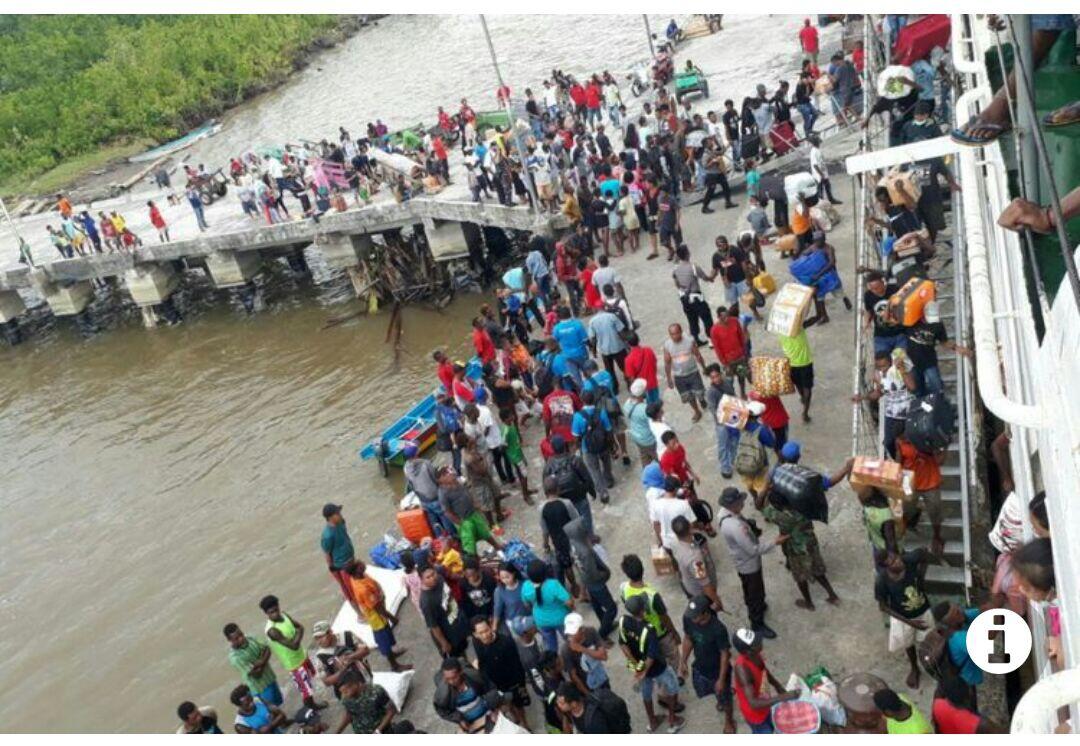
339,203
906,304
414,525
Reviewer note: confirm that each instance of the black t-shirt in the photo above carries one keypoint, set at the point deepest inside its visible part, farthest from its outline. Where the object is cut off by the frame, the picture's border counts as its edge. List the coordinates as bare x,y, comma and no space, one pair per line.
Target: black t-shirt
669,210
478,600
731,264
782,109
709,641
902,220
500,662
877,306
555,516
449,620
906,596
923,339
731,124
802,93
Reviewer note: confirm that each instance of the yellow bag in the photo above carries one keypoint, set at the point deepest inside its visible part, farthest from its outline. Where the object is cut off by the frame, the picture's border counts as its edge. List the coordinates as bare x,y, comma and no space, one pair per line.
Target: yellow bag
765,283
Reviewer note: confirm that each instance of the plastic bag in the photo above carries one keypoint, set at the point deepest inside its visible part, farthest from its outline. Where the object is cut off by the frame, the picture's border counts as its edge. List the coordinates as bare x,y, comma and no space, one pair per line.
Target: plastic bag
410,501
823,694
396,685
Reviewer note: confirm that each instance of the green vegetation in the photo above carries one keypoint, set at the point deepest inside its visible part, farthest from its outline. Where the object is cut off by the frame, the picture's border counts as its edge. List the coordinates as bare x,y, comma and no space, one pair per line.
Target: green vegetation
71,85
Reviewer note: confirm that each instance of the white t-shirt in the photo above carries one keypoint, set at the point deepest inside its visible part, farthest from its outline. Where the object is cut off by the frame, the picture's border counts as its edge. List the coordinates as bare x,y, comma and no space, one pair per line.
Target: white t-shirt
551,97
484,427
817,164
275,169
605,276
664,510
658,429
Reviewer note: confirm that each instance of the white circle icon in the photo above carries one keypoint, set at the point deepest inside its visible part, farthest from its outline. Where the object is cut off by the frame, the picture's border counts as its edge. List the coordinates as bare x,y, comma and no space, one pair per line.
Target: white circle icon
999,641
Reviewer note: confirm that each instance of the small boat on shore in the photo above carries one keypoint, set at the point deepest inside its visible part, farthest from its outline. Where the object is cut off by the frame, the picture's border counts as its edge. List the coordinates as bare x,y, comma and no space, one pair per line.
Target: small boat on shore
200,133
415,426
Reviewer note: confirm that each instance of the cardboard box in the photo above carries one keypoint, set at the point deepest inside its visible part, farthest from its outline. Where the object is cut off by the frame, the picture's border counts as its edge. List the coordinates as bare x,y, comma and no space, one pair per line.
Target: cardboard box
789,308
662,562
877,472
733,412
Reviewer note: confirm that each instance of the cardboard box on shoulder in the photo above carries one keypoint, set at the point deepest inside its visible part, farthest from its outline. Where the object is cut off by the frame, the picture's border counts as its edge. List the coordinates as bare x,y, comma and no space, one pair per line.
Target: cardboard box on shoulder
789,308
877,472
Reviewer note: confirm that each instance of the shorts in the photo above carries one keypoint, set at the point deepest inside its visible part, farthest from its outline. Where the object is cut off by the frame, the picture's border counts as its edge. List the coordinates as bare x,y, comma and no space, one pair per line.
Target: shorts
903,636
667,681
384,640
665,236
271,695
756,483
473,529
805,566
690,387
738,368
647,453
735,290
931,503
652,395
705,686
803,376
304,679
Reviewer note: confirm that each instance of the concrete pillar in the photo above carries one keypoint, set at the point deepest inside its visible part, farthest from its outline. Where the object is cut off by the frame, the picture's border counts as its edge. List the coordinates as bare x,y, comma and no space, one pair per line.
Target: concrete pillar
69,299
446,240
342,251
11,306
231,268
151,284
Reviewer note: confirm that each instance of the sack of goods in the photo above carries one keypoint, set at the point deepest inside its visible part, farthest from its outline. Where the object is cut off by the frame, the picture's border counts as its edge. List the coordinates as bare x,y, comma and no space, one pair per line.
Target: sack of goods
771,376
879,473
802,184
909,244
788,309
765,283
806,267
821,217
903,188
787,243
929,425
804,490
907,304
733,412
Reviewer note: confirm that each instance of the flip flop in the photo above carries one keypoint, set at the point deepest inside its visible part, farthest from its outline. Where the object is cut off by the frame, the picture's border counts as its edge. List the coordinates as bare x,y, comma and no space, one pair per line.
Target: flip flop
962,136
1063,116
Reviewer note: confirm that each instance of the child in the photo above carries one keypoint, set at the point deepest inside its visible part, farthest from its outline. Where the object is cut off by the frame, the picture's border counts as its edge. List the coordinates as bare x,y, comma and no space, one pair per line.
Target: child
485,493
412,577
512,437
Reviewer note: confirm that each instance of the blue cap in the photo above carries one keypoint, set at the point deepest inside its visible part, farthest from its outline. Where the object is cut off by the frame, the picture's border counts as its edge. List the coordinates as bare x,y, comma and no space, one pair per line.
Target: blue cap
652,475
481,394
791,451
410,450
519,625
513,303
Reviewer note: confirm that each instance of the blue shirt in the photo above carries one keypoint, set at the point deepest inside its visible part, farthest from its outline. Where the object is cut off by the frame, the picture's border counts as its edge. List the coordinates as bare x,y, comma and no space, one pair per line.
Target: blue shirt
559,366
571,336
924,77
604,328
536,264
515,279
611,188
638,425
336,543
599,380
552,611
258,719
508,604
958,651
581,423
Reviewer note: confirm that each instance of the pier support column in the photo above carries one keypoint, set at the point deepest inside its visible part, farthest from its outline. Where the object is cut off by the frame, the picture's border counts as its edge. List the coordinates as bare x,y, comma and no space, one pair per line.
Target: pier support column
341,251
446,240
151,287
69,299
232,268
11,307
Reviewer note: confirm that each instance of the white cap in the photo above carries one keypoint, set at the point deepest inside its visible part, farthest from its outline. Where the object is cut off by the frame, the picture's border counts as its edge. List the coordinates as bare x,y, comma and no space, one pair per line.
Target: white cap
638,387
756,408
572,623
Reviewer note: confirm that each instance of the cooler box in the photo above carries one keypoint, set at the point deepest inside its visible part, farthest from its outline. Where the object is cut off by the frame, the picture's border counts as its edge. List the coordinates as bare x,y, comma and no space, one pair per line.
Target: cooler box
906,305
917,39
788,309
414,525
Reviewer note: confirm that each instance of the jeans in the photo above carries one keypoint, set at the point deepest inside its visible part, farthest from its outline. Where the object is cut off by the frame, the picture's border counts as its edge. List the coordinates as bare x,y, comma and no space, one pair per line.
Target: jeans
604,606
894,427
614,116
652,395
537,129
440,522
667,681
726,447
809,116
200,217
574,367
599,466
612,364
550,636
585,511
574,293
885,345
928,381
593,117
502,464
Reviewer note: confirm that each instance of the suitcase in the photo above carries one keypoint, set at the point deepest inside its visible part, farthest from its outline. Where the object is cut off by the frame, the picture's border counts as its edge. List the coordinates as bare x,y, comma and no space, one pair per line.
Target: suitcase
906,305
912,190
771,376
749,146
917,39
804,489
765,283
414,525
929,425
783,138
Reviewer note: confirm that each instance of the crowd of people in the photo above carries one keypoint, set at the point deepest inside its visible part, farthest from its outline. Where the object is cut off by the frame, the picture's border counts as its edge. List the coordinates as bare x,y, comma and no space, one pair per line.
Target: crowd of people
561,365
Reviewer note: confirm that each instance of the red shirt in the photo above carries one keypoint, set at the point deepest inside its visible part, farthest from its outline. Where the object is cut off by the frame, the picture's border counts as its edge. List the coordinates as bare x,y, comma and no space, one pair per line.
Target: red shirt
567,138
546,450
445,372
439,148
445,122
592,96
858,58
565,269
577,94
952,719
463,392
809,39
467,114
775,415
673,463
558,415
641,363
155,218
485,348
728,341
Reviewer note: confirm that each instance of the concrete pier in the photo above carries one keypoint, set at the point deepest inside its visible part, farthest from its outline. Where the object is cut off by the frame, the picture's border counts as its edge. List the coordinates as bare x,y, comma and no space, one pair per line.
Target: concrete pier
11,306
230,269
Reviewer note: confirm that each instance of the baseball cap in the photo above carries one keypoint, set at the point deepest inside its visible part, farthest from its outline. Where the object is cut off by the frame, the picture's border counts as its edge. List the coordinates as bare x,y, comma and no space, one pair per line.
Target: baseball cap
744,639
698,604
572,623
671,483
639,387
330,509
519,625
791,451
731,496
306,716
320,628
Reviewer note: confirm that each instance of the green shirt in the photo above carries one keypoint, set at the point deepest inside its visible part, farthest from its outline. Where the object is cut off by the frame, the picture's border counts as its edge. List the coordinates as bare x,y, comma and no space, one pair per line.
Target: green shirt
875,519
336,542
512,437
916,724
367,708
797,349
797,526
290,659
242,659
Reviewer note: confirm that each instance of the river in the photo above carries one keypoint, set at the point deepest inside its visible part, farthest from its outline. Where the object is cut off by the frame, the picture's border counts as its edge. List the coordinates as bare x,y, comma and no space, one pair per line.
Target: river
155,484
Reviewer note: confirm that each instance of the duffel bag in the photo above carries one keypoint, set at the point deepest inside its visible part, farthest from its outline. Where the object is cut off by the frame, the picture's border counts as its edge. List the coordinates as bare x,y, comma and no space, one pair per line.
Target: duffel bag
929,425
804,489
806,267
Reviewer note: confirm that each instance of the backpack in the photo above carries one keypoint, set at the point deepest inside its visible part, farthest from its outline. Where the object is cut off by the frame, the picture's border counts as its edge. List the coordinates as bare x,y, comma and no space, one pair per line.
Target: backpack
613,708
596,437
933,654
566,477
750,456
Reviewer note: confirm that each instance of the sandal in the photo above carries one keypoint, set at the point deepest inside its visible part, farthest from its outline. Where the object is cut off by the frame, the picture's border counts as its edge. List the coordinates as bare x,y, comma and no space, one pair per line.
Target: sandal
1063,116
964,136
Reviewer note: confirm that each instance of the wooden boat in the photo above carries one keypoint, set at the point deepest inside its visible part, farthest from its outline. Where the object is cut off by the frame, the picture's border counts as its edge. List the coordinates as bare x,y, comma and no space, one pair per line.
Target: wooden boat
206,130
415,426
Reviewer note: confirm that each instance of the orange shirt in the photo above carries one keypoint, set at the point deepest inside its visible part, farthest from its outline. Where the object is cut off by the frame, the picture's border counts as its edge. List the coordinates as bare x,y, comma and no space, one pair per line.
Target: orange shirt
800,223
927,471
64,206
368,595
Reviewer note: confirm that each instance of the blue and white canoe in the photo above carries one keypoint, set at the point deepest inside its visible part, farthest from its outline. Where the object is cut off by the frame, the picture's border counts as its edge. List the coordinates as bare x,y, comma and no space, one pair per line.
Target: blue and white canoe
200,133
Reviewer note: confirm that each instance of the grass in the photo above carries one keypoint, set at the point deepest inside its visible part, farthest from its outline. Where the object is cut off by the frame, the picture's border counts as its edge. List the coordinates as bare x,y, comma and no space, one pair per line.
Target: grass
71,171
